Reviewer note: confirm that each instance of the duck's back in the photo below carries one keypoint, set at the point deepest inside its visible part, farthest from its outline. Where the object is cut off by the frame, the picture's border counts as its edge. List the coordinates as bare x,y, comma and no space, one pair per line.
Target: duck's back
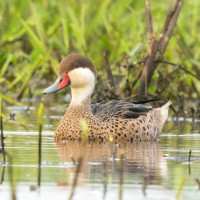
119,109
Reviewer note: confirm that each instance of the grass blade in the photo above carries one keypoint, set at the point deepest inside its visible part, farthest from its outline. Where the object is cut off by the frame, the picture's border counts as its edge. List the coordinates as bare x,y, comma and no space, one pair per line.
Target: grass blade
15,122
180,188
6,64
9,100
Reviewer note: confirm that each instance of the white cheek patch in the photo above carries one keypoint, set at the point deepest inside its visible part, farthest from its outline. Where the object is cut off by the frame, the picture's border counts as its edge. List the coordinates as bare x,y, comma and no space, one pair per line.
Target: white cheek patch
82,84
80,77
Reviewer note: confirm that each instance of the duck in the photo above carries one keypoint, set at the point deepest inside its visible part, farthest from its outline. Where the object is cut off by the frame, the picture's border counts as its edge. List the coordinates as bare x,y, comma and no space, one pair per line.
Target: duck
115,119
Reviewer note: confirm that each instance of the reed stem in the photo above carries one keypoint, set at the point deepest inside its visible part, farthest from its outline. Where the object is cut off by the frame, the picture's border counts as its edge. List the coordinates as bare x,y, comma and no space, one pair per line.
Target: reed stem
40,115
189,159
2,136
80,160
121,175
12,183
105,178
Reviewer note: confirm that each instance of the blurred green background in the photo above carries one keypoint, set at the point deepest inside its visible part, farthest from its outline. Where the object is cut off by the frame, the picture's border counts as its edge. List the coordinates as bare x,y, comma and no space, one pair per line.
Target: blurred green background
35,35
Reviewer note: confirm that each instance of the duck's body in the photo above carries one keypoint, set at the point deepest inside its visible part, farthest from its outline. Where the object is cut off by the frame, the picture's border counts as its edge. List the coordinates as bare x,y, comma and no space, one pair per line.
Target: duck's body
120,119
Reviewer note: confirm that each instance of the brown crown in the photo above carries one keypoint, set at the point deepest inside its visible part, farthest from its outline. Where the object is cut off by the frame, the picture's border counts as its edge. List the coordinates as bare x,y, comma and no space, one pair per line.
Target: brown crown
71,62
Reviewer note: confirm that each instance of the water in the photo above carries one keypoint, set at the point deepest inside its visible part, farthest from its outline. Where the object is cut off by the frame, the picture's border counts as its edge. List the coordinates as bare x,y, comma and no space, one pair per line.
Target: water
151,170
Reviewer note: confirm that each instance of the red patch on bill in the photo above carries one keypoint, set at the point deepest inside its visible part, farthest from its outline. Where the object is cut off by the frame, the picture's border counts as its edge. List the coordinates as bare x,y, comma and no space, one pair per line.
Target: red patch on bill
64,82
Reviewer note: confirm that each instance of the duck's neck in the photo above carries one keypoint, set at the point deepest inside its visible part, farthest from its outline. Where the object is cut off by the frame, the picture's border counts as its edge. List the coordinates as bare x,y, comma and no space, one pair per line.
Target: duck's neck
81,96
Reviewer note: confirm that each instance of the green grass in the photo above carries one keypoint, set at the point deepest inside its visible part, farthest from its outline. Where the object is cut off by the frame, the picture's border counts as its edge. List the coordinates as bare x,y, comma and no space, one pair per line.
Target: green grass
35,35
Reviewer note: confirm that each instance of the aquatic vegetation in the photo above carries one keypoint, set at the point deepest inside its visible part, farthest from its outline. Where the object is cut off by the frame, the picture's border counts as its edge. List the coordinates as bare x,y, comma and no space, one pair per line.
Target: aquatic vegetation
77,171
40,117
121,175
84,128
2,135
183,181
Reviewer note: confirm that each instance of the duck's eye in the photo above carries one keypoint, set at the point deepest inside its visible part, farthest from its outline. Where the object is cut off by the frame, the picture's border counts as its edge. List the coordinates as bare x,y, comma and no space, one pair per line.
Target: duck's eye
76,65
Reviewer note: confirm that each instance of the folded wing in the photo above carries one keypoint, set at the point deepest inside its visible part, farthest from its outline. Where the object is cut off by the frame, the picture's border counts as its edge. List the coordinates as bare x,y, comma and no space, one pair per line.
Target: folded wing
119,109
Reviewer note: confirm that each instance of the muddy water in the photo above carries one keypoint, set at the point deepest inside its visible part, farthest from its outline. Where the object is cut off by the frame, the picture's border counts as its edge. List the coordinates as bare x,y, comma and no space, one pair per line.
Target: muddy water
151,170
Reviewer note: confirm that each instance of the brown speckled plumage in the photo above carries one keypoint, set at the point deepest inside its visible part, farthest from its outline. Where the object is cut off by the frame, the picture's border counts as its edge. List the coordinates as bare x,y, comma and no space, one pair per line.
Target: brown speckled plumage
121,119
143,125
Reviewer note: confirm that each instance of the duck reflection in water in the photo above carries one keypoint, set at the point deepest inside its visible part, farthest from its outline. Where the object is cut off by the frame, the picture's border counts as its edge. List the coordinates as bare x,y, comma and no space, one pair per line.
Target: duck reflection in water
141,158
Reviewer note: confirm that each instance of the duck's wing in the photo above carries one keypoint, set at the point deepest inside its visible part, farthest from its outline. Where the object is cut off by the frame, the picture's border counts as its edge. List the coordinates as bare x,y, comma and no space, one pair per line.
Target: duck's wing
119,109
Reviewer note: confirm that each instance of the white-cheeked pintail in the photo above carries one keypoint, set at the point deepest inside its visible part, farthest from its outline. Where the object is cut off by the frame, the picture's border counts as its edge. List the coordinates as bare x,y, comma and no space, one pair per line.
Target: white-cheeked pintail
123,120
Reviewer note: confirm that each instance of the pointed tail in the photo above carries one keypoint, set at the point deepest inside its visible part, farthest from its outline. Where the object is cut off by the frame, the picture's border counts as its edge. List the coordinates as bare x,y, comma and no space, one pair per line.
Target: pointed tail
164,110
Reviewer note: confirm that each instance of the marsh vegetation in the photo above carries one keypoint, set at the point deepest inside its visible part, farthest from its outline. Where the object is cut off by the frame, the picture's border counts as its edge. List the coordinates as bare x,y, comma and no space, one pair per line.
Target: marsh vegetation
35,35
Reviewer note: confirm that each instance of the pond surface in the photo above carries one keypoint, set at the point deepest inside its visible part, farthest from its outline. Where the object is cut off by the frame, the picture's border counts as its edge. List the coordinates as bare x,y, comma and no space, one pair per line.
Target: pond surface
148,170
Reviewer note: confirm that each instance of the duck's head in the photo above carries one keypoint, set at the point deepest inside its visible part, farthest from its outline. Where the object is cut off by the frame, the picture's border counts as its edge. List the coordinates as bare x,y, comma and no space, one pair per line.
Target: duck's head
77,71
